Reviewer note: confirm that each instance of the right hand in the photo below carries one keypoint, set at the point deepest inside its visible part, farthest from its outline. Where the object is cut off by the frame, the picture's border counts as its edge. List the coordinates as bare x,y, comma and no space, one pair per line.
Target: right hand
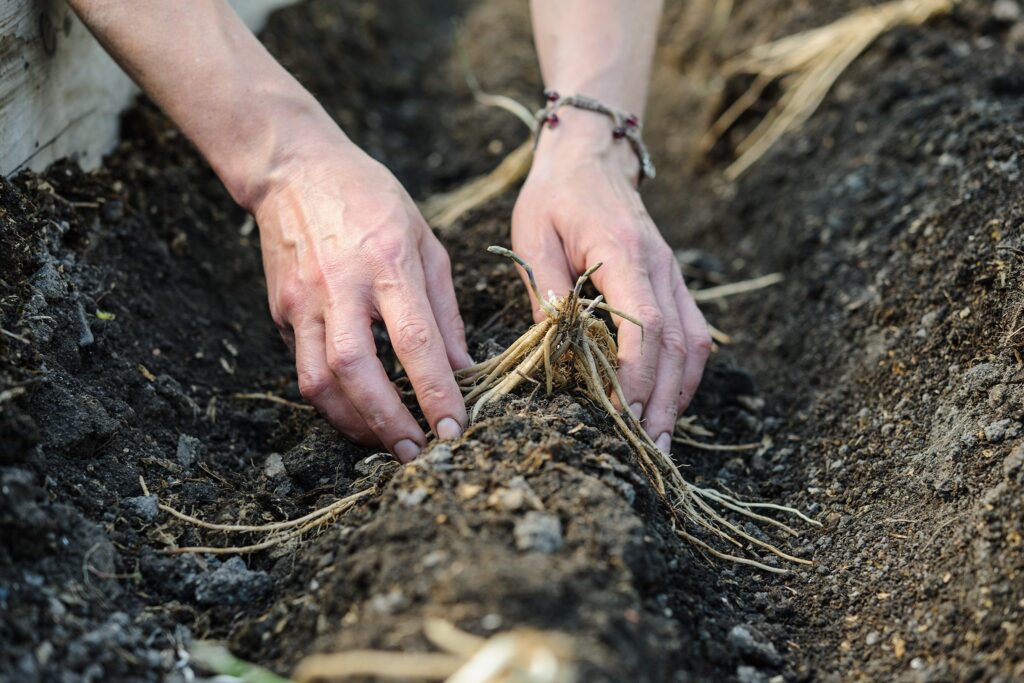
344,245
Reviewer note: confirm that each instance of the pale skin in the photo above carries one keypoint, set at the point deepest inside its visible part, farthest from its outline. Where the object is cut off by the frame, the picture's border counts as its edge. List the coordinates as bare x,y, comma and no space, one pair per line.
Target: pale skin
344,245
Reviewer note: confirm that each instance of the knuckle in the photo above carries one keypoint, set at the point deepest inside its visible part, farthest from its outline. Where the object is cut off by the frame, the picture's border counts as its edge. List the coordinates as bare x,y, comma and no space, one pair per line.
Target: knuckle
674,341
413,336
389,254
289,301
435,391
702,343
652,318
345,353
313,385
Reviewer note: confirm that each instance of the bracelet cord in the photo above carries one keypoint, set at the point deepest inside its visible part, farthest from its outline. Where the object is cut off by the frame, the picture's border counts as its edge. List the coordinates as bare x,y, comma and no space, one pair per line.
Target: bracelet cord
624,125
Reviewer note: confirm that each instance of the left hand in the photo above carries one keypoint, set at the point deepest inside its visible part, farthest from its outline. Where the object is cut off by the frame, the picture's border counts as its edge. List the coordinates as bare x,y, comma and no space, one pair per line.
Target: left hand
580,205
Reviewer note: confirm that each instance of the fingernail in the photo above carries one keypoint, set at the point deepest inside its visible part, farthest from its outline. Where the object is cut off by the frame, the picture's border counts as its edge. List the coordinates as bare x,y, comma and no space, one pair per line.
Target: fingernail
448,428
636,409
664,442
406,450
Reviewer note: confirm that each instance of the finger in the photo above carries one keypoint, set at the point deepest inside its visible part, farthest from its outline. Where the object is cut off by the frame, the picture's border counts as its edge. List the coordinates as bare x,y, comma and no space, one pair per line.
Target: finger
627,287
351,356
319,386
417,342
544,251
698,342
441,293
661,410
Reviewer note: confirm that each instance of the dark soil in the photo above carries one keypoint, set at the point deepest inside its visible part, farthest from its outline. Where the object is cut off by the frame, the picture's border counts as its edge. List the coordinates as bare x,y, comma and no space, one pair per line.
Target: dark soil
886,371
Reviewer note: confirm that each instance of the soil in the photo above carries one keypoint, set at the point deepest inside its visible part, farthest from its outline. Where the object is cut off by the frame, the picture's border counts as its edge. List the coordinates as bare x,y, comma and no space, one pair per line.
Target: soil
885,370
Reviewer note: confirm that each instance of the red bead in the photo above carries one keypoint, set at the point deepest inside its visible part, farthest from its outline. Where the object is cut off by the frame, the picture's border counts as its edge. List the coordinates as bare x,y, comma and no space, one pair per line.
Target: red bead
551,95
618,132
553,120
632,121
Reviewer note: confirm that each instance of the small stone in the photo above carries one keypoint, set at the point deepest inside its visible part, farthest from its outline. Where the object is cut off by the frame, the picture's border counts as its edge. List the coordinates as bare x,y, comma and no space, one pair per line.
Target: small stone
233,583
1007,11
189,448
48,282
491,622
752,647
929,319
507,499
439,458
748,674
872,638
143,507
273,466
539,531
412,498
389,603
1014,462
996,432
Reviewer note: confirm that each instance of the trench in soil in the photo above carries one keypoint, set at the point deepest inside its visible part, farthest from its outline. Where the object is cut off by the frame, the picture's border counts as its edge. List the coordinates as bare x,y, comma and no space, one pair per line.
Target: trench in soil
885,370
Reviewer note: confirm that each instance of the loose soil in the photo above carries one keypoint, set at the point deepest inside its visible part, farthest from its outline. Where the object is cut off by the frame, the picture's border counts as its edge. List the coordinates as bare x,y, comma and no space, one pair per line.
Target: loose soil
885,370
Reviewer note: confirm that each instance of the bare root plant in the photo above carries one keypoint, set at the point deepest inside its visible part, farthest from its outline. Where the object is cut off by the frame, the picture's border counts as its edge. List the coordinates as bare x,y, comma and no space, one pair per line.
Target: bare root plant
806,65
572,348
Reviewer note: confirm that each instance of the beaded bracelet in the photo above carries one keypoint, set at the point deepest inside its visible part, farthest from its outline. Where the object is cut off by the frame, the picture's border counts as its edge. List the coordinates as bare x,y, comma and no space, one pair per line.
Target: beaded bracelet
624,125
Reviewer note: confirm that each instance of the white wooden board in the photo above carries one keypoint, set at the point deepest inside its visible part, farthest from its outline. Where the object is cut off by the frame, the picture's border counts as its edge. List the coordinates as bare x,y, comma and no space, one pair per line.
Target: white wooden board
60,94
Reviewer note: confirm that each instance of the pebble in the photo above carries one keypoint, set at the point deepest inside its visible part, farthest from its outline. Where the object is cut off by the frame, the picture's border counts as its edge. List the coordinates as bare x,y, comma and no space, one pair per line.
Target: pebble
540,531
273,466
1014,462
1007,11
232,583
188,450
748,674
412,498
1001,430
143,507
48,282
752,646
439,458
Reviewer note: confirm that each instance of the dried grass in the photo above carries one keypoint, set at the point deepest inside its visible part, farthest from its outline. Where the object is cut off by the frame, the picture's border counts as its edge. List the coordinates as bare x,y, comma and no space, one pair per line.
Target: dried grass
806,65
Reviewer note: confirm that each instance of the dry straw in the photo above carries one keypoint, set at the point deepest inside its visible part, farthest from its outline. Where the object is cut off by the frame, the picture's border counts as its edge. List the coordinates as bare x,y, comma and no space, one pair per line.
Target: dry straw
572,348
806,65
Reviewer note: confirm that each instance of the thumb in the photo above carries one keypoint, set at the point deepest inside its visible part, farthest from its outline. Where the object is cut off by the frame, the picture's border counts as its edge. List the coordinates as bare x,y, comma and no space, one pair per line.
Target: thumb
544,251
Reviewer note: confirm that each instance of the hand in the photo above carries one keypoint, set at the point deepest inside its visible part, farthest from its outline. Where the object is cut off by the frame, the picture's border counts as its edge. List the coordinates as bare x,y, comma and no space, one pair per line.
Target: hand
579,206
343,246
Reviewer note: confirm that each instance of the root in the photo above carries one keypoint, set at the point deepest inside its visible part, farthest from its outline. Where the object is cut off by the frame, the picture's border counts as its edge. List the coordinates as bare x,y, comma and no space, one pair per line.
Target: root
267,396
573,349
442,210
806,65
276,532
523,655
734,288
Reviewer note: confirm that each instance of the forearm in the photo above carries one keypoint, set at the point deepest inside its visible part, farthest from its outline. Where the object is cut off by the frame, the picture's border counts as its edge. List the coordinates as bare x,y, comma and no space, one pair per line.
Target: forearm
599,48
204,67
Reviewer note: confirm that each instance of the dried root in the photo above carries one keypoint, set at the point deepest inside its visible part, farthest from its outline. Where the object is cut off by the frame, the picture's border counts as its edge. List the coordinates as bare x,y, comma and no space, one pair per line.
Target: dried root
442,210
520,656
274,534
573,348
806,65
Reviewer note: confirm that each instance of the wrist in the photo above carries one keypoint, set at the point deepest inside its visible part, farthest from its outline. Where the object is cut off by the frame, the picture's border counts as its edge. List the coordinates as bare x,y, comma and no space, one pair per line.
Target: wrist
286,131
582,138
